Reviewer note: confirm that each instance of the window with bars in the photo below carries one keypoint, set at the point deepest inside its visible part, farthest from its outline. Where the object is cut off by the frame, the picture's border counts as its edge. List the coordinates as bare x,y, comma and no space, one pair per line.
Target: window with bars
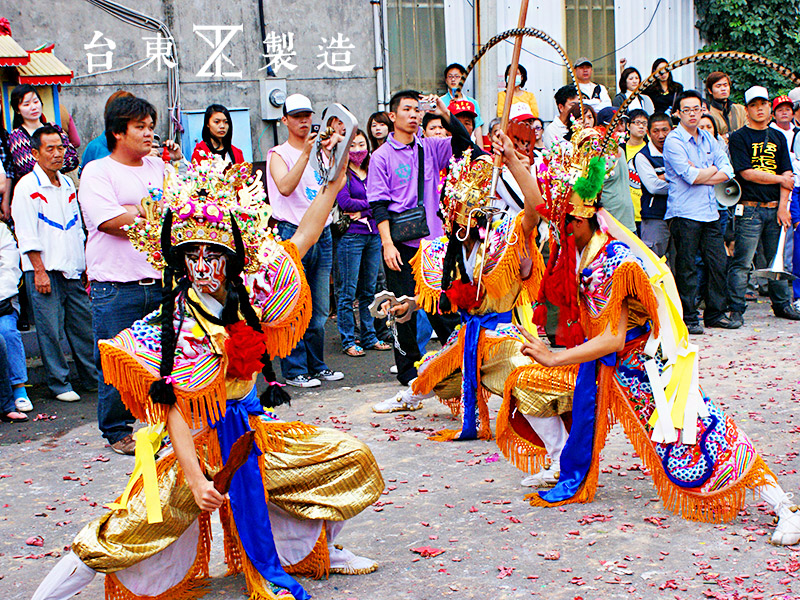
590,33
416,44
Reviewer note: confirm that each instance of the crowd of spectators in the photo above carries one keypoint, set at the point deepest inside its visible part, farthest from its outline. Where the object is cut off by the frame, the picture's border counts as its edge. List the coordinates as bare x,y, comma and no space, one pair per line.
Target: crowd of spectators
71,253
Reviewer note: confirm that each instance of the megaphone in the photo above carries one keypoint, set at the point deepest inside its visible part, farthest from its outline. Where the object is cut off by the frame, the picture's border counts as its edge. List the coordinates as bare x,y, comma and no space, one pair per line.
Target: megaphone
728,192
776,271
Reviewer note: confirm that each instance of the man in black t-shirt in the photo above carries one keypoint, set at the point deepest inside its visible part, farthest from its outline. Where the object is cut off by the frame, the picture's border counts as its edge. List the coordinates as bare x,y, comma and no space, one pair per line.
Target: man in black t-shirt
760,158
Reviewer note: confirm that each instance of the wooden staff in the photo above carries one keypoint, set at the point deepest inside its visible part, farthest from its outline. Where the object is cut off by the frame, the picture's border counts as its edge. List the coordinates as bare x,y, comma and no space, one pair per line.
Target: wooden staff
510,85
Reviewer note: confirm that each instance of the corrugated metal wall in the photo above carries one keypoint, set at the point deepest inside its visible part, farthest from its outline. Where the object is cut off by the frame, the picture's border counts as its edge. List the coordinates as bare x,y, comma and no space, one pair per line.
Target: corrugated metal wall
671,35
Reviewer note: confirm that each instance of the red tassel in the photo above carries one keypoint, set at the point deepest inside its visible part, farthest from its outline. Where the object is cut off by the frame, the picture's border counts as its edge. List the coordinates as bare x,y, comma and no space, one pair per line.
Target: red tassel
464,296
244,347
560,288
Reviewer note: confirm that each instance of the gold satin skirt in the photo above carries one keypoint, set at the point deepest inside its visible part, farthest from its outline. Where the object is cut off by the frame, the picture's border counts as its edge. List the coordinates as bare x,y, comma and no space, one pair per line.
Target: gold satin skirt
318,474
548,398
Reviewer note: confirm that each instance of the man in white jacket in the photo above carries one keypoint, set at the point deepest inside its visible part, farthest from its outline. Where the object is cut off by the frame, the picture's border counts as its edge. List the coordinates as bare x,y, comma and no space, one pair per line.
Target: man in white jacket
51,240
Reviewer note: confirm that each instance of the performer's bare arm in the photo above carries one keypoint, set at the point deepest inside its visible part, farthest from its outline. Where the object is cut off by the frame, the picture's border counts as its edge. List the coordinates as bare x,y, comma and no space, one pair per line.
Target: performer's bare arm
597,347
206,497
521,172
313,221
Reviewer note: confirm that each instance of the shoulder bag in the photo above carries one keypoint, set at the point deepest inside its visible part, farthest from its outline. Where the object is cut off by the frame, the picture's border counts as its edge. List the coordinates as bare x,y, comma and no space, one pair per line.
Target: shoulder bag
412,224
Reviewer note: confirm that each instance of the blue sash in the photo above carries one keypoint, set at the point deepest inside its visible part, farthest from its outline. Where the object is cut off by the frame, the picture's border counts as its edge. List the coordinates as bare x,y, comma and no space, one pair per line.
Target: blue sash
576,458
469,371
248,503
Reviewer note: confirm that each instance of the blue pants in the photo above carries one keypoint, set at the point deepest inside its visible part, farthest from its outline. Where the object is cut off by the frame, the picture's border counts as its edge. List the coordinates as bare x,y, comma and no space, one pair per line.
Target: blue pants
795,210
757,223
65,311
15,351
307,356
357,258
115,306
6,395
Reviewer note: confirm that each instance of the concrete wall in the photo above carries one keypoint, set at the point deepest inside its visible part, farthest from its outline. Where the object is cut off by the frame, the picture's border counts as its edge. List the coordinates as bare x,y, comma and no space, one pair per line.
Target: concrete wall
71,24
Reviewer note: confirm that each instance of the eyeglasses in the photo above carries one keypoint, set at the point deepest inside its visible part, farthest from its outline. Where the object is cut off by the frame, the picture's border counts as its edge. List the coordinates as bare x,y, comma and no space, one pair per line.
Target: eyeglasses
692,111
639,123
453,76
537,127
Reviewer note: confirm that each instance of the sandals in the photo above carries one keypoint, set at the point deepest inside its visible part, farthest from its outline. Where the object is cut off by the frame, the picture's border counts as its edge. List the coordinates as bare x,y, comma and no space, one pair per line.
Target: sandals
354,351
13,417
382,346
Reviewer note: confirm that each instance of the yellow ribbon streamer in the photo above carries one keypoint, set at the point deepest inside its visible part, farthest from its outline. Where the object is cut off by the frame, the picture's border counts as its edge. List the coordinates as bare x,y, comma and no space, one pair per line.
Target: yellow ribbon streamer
148,442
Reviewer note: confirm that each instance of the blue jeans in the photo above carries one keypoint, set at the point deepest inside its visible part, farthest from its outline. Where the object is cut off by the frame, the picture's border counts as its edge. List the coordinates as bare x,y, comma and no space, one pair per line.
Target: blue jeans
63,312
17,371
115,306
357,259
6,395
307,356
757,223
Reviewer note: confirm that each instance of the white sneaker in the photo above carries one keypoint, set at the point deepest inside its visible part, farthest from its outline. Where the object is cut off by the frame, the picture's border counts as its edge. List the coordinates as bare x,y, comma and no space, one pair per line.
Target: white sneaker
344,562
544,478
787,532
329,375
303,381
393,369
796,305
69,396
404,400
23,404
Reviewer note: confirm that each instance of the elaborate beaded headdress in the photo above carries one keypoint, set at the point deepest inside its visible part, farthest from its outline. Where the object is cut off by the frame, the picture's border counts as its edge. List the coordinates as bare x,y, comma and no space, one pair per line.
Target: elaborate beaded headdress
204,202
466,189
572,174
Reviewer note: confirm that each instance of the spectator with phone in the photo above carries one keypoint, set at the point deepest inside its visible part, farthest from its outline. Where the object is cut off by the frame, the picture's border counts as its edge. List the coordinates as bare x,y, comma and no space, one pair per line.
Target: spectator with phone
292,184
402,189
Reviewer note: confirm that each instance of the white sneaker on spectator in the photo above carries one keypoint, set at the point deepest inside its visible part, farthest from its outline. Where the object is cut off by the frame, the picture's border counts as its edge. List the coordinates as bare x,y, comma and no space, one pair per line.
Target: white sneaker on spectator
405,400
796,305
344,562
393,369
23,404
69,396
329,375
303,381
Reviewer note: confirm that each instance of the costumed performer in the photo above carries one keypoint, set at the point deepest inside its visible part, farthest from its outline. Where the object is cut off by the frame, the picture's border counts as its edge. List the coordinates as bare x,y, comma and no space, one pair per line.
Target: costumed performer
191,367
487,269
636,365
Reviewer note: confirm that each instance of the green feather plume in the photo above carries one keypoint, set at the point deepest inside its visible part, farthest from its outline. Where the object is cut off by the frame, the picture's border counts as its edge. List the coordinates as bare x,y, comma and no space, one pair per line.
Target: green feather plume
588,187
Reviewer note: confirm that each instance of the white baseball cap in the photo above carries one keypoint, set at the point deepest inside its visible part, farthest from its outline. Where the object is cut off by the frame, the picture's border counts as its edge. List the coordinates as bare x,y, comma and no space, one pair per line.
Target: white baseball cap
755,92
520,111
795,94
297,103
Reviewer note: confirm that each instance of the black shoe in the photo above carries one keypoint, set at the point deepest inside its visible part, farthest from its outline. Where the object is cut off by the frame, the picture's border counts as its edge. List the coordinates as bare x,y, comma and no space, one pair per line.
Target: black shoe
737,319
725,323
694,328
787,312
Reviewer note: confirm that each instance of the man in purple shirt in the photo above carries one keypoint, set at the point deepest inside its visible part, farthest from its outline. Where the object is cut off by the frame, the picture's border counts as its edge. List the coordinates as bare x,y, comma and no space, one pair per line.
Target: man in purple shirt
392,188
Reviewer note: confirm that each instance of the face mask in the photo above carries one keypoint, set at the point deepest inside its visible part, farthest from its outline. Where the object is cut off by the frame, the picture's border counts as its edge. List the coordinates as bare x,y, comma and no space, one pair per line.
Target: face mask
357,156
518,80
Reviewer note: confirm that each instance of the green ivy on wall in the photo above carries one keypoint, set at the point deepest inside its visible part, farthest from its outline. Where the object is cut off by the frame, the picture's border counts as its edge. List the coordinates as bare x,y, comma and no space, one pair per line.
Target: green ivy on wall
770,28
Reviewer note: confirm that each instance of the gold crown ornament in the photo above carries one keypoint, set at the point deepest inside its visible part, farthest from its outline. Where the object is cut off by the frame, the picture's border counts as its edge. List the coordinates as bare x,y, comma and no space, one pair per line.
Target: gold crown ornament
571,175
466,191
203,201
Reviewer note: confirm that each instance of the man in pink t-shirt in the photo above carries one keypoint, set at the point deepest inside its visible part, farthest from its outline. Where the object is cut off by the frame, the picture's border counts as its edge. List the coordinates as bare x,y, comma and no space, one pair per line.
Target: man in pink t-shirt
291,186
124,287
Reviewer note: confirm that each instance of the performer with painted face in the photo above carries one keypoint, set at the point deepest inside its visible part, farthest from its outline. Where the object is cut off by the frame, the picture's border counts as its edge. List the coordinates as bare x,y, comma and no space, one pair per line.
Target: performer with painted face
487,269
190,368
620,319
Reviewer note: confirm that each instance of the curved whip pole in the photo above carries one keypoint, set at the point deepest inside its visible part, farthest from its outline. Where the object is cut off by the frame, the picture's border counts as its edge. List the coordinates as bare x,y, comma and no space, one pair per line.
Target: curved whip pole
731,54
525,32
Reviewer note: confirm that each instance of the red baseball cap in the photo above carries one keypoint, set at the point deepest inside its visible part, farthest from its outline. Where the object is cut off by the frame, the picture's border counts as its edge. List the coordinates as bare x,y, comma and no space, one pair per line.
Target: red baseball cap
781,100
458,107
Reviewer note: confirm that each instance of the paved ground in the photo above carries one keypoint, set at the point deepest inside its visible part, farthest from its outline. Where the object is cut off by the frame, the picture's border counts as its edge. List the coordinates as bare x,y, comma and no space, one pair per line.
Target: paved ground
460,497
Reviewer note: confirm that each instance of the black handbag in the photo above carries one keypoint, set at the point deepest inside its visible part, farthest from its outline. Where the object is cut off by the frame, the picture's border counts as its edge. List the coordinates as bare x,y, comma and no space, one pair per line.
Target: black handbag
412,224
340,222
